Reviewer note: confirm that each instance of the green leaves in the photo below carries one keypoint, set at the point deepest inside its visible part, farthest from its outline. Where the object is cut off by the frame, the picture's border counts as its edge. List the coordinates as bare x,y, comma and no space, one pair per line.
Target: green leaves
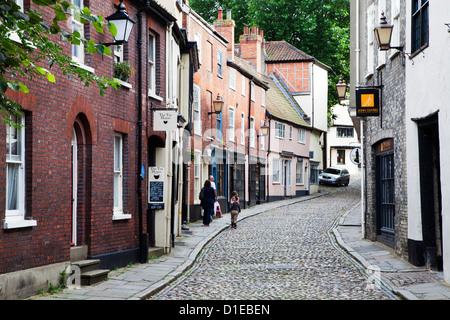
28,49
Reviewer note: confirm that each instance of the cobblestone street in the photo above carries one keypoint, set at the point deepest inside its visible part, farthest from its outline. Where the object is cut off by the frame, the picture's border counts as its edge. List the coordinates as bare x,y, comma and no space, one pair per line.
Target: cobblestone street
285,254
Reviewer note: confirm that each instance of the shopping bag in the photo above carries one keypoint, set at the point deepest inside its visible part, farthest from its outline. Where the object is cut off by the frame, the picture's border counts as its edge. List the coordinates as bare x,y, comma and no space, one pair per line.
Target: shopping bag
217,209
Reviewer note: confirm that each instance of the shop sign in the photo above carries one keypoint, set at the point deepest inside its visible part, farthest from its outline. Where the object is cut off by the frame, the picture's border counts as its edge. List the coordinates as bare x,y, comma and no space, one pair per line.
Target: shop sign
367,102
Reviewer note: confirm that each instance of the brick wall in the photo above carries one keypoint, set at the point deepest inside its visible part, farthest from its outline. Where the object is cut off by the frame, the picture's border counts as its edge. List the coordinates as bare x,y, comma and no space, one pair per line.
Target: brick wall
51,111
391,124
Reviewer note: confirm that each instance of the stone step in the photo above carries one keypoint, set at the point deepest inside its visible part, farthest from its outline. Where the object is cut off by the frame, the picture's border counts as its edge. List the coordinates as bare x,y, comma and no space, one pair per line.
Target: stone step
155,252
87,265
89,278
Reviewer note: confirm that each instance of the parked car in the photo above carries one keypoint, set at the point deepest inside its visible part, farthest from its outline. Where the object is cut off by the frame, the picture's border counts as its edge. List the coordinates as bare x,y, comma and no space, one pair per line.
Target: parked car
335,176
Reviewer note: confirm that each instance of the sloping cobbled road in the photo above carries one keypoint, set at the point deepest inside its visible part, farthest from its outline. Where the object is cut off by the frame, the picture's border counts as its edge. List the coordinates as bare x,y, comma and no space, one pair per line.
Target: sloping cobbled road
282,254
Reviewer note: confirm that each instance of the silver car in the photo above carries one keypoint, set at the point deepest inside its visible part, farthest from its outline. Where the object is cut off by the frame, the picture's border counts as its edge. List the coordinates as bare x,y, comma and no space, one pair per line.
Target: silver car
335,176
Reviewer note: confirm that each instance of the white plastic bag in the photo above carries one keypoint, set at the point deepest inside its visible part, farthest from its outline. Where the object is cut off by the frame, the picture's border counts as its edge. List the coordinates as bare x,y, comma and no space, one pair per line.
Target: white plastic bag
217,209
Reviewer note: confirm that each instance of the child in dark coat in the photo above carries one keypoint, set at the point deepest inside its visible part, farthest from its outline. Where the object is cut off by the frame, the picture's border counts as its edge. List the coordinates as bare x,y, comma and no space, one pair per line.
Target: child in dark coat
235,208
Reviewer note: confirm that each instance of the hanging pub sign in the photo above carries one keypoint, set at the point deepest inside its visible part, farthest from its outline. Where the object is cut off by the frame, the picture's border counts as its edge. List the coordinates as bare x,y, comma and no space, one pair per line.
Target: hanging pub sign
165,120
156,188
367,102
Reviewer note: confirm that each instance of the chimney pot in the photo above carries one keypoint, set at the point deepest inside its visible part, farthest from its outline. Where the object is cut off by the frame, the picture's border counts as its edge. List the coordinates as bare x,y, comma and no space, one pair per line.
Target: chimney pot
220,13
229,14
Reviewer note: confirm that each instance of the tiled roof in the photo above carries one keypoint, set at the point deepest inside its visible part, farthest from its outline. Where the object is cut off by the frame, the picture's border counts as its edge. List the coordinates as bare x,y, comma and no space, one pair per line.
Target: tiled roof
284,51
282,105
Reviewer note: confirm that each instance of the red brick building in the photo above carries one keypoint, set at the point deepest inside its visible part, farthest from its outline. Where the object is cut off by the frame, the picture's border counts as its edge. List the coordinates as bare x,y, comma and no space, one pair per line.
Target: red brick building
72,174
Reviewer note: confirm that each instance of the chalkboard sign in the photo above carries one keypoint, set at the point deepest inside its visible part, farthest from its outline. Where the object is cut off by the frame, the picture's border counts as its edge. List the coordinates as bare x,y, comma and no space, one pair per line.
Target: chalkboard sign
156,191
156,188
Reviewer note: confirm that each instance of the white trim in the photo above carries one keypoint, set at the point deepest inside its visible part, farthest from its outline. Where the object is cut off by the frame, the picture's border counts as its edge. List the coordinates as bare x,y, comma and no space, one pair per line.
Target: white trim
118,210
231,124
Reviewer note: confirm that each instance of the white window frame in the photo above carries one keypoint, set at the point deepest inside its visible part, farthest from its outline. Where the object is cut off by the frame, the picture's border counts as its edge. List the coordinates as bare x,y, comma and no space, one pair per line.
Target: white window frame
262,138
233,79
118,213
197,111
198,39
370,39
15,218
243,81
151,64
299,173
242,128
78,56
118,53
263,97
301,136
231,124
276,162
197,174
252,132
291,132
219,63
253,91
395,16
280,130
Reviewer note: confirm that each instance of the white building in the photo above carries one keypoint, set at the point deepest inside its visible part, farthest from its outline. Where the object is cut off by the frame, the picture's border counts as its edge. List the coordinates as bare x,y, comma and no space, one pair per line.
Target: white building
427,116
342,138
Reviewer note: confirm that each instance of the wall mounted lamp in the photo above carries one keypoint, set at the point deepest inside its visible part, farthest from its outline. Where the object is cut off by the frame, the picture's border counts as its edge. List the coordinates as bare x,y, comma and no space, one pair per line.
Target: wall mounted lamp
218,105
123,23
341,89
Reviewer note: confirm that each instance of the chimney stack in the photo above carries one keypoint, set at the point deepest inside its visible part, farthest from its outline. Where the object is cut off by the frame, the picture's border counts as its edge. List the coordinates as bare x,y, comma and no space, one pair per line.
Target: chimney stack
252,46
226,30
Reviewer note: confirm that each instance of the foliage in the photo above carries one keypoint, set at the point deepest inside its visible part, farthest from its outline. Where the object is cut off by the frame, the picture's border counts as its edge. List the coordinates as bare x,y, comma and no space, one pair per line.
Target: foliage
320,28
28,51
123,70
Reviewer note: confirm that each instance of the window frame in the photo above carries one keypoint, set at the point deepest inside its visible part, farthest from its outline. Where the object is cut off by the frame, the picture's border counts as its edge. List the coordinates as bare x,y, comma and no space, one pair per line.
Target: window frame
118,211
276,172
301,138
231,124
197,110
151,64
423,7
16,218
79,58
219,63
299,175
280,130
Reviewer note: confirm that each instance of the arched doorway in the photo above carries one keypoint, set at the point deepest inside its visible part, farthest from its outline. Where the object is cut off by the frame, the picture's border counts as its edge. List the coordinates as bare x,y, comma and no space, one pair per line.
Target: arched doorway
81,177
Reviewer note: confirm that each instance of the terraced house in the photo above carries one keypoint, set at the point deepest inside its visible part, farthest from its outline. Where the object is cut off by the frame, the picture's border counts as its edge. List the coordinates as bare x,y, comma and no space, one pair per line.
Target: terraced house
75,177
100,182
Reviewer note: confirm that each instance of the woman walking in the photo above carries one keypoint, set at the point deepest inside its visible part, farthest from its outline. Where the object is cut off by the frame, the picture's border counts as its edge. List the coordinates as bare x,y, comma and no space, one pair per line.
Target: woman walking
207,202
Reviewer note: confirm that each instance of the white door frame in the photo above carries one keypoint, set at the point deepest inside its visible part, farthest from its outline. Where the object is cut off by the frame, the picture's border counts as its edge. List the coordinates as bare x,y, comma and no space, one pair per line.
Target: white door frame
74,185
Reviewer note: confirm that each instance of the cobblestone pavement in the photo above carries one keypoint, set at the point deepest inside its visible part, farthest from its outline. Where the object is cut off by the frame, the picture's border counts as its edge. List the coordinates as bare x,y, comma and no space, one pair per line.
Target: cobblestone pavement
284,254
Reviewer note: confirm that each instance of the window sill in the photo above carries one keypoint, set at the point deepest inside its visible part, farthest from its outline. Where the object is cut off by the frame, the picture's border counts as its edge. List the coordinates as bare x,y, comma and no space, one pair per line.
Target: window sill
12,223
124,84
83,66
368,76
154,96
120,216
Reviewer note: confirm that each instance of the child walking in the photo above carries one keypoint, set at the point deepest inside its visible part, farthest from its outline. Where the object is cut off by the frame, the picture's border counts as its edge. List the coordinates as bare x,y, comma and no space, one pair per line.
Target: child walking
235,208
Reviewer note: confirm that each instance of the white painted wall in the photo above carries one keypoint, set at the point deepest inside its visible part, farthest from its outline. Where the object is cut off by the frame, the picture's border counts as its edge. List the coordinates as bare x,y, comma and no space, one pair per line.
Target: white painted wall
427,91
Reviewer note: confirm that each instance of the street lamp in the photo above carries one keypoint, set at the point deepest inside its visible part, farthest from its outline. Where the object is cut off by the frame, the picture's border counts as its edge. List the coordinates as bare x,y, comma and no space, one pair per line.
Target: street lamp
341,89
123,23
218,105
264,130
383,35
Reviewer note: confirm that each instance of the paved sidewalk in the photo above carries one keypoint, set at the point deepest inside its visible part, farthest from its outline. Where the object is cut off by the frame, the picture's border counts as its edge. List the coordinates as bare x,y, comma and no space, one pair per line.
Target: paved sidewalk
143,280
398,275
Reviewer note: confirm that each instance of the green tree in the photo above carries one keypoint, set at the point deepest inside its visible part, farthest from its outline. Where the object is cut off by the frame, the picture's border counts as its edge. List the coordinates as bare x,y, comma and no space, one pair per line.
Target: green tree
28,49
320,28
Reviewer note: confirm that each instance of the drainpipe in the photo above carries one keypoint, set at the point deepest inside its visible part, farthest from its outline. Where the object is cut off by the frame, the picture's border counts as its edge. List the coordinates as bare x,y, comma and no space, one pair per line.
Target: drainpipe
363,165
249,132
143,237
